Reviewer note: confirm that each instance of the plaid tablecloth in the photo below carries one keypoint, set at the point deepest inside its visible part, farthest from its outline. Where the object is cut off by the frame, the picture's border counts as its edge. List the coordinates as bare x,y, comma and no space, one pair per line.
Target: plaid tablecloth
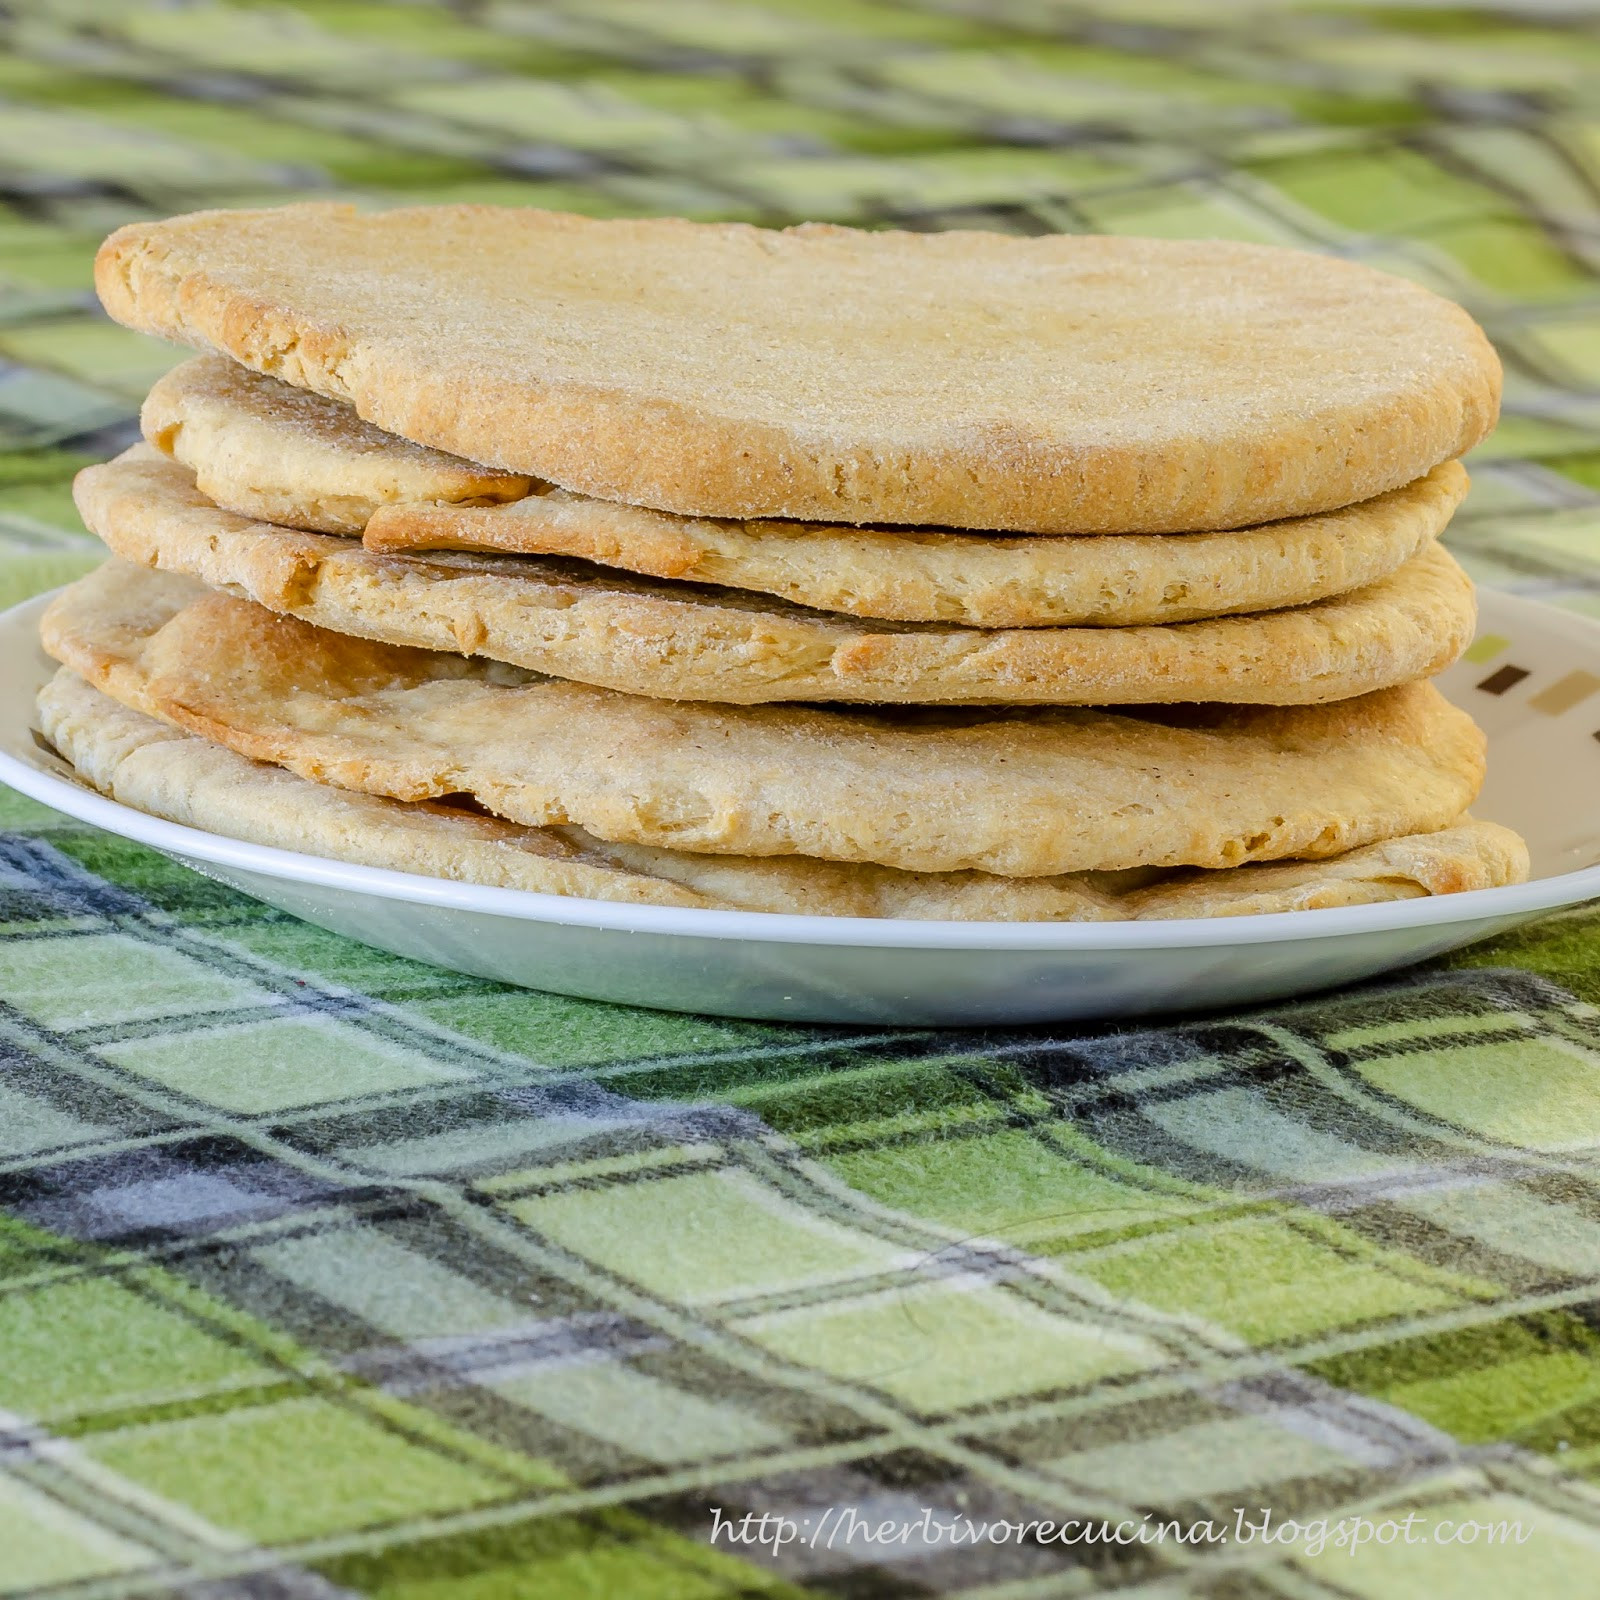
322,1273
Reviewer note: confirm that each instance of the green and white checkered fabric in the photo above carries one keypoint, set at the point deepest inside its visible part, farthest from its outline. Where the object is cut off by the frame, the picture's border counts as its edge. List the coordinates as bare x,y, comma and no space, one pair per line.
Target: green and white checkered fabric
324,1274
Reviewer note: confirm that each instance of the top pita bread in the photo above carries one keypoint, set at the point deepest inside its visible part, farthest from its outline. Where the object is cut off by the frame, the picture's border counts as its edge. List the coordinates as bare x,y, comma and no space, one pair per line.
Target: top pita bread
970,380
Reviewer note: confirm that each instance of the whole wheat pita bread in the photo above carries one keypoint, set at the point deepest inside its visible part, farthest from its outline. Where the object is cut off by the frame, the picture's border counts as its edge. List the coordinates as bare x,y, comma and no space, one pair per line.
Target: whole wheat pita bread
678,641
980,581
141,762
1062,385
285,455
1022,794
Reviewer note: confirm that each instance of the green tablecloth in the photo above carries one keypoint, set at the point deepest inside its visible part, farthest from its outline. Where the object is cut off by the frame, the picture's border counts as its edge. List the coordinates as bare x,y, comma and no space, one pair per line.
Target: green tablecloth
323,1273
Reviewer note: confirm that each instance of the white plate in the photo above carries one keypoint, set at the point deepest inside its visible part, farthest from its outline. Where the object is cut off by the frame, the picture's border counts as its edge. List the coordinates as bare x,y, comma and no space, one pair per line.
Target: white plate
1544,779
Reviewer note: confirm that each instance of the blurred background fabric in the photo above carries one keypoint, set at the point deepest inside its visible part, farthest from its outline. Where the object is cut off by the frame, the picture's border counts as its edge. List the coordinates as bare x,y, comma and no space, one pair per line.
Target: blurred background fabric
323,1273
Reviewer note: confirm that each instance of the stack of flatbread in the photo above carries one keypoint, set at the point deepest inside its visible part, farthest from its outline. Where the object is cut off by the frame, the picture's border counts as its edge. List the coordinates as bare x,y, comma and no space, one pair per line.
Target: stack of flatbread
870,574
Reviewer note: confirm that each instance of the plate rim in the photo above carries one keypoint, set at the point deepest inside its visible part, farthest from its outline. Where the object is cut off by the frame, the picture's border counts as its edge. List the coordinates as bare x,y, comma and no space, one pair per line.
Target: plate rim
1511,901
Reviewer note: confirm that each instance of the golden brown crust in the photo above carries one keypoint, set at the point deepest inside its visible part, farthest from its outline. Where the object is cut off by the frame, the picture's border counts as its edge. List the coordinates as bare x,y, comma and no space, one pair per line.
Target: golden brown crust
681,643
1470,855
157,768
1022,794
978,580
1066,384
288,456
154,767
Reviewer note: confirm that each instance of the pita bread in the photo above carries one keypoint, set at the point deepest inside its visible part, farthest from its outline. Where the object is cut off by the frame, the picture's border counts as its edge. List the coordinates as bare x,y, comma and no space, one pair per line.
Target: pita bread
283,455
678,641
146,764
1022,794
1067,384
256,445
984,581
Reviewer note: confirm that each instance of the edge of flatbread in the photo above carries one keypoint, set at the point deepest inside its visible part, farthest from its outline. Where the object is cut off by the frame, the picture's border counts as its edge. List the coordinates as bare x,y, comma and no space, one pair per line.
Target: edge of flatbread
1020,793
682,642
287,456
257,446
153,767
976,580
